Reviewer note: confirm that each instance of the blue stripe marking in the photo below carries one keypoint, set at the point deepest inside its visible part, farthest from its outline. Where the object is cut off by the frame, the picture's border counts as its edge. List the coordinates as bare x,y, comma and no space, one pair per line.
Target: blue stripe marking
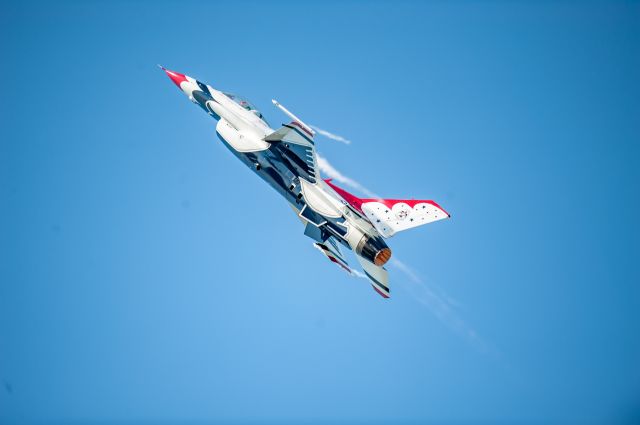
376,281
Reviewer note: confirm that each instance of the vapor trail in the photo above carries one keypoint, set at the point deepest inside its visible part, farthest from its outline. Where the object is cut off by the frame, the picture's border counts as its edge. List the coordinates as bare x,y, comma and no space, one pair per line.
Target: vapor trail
331,136
439,303
358,273
328,170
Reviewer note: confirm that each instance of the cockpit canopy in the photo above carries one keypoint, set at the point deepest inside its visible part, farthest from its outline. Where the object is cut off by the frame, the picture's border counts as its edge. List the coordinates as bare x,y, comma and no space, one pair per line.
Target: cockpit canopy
245,104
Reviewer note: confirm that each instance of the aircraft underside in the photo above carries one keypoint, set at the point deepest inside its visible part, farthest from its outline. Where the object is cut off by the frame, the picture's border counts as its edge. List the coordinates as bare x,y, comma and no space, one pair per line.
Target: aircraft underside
286,159
278,172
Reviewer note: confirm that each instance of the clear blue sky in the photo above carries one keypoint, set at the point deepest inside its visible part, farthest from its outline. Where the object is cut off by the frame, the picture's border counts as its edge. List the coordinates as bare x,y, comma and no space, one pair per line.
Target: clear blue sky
147,277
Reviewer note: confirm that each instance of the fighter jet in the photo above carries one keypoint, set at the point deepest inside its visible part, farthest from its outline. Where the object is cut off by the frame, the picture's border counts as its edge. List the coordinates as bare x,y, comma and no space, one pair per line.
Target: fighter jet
285,158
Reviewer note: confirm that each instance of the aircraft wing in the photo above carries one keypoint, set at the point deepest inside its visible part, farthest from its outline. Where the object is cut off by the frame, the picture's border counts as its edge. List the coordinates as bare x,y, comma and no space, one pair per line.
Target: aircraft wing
295,143
298,150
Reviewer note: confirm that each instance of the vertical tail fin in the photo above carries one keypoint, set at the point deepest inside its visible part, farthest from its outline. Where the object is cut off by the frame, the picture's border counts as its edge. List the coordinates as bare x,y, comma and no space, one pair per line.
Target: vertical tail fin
390,216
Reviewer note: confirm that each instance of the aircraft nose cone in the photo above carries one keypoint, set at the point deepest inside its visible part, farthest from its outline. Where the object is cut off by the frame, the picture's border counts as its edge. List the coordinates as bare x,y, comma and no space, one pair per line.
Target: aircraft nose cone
176,77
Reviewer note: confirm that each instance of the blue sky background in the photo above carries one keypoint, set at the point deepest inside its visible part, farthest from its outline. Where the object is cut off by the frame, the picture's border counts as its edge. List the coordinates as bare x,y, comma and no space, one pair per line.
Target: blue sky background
147,277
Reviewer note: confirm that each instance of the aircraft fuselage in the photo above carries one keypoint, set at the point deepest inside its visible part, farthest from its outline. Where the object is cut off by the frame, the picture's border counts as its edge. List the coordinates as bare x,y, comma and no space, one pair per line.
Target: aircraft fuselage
288,168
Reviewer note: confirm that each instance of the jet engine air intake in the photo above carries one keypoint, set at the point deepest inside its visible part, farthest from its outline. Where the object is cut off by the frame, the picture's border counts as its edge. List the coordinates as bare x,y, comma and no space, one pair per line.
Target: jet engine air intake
374,250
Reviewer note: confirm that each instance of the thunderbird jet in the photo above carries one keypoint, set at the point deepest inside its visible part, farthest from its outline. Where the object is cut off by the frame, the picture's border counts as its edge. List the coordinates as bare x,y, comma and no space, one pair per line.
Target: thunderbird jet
286,159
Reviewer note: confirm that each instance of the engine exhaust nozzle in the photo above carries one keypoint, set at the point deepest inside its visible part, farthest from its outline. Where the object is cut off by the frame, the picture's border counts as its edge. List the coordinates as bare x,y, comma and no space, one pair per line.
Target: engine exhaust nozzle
374,249
382,257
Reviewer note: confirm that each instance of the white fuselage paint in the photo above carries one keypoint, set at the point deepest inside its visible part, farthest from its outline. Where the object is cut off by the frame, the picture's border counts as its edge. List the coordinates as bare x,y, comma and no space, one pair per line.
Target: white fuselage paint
245,132
320,201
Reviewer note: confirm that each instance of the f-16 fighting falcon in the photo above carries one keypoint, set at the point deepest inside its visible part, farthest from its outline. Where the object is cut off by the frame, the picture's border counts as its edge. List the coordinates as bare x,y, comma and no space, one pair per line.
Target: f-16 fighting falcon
286,159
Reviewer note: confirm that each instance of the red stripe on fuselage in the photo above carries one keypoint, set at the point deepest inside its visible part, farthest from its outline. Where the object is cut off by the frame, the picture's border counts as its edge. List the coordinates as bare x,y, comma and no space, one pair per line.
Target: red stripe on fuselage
353,200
